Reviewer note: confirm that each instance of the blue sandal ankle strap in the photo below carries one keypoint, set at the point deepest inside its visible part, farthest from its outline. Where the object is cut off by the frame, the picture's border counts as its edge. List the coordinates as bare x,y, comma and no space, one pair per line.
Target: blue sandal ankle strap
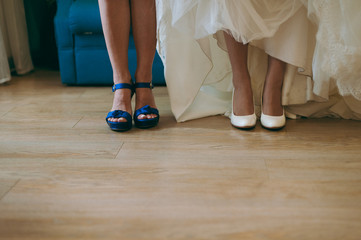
122,86
143,85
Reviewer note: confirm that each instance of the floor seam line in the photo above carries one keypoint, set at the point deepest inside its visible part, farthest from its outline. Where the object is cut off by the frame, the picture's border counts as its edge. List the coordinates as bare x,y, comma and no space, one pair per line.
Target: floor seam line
267,168
120,148
77,122
12,187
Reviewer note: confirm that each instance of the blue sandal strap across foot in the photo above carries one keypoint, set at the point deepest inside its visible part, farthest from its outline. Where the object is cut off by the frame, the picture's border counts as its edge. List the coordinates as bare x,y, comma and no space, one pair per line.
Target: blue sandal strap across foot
148,122
119,126
146,110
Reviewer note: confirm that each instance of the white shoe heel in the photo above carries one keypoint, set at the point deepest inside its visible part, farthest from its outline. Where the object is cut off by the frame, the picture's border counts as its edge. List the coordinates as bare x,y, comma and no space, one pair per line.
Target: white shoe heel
273,122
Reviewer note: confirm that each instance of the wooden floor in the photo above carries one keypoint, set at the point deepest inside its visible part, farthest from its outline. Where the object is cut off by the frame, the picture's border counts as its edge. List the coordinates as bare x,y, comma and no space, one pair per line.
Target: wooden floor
65,175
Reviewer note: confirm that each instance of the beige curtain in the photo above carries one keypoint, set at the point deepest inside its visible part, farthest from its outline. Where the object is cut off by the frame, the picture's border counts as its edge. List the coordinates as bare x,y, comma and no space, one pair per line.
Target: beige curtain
14,43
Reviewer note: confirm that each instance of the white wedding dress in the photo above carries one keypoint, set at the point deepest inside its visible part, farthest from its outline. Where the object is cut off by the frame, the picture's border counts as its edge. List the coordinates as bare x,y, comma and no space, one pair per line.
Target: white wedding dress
4,65
14,43
337,58
197,67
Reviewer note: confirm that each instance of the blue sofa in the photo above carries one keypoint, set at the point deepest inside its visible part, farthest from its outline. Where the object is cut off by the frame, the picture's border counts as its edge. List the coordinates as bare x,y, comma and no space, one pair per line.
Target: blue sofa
83,57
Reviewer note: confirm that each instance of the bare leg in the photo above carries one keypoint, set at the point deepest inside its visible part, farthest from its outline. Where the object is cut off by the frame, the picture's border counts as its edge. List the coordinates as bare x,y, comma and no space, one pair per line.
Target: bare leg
243,96
144,31
272,92
115,16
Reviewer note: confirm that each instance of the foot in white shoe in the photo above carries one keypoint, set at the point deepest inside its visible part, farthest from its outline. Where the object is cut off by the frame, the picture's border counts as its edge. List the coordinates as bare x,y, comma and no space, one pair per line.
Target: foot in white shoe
244,122
273,122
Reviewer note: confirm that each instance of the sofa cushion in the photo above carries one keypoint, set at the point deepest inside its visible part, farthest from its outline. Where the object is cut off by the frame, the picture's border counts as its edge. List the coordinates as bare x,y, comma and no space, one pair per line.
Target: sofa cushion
84,17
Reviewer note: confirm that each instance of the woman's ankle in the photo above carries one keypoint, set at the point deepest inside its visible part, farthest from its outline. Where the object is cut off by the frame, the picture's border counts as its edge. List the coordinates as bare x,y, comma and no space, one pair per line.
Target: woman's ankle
122,78
143,77
272,103
243,102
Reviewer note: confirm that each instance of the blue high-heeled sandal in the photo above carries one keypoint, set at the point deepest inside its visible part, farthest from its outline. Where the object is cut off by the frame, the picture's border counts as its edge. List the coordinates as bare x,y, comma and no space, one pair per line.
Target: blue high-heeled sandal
120,126
145,123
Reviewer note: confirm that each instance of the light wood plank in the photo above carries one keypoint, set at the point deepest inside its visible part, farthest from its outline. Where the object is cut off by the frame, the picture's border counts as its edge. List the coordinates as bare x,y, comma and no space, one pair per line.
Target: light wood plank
65,175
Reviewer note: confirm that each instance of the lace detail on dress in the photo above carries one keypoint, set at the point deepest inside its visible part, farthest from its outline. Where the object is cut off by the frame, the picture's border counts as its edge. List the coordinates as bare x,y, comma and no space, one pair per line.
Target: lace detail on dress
338,50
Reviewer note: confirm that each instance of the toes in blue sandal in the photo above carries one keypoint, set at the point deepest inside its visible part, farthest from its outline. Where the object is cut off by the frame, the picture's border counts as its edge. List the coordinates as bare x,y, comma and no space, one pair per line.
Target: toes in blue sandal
148,122
120,126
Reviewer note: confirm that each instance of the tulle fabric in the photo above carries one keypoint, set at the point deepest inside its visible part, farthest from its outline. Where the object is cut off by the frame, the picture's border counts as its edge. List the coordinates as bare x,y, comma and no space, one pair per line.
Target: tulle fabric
337,57
246,20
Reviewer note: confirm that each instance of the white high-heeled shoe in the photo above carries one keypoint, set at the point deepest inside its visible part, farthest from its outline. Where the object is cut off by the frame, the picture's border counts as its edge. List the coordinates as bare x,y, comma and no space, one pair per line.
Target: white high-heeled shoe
273,122
243,122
